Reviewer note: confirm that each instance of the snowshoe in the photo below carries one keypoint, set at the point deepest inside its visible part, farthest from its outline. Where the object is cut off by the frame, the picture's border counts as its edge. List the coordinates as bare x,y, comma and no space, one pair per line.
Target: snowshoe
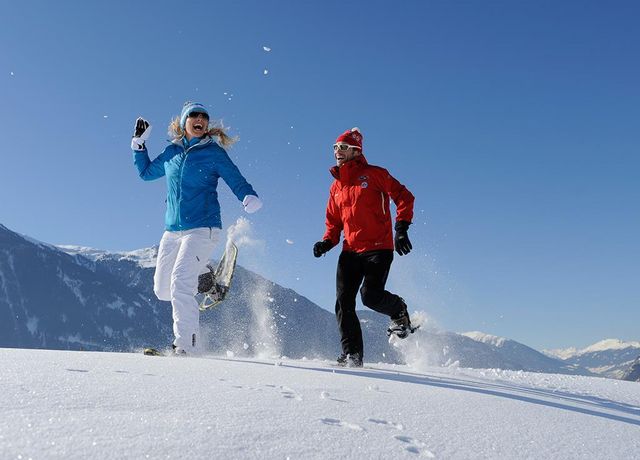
402,332
213,292
214,285
401,324
152,352
175,351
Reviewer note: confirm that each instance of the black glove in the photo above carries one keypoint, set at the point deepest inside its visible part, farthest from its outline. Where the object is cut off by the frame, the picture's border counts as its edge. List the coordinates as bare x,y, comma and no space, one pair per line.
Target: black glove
141,127
401,241
141,133
321,247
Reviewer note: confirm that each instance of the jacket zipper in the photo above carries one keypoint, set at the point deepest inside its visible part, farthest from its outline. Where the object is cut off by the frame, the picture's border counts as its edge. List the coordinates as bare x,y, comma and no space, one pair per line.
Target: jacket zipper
384,212
181,173
180,188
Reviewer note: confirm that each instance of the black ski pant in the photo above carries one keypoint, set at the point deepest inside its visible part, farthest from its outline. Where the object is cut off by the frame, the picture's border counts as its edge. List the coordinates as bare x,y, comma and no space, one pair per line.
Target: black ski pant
369,269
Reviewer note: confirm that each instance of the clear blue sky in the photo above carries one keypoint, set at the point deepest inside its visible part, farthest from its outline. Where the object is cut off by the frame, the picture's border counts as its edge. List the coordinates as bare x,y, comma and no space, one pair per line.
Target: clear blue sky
515,125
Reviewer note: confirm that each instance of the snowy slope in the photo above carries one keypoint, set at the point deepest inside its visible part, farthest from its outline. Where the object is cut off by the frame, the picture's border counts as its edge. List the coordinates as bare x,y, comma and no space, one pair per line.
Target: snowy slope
78,405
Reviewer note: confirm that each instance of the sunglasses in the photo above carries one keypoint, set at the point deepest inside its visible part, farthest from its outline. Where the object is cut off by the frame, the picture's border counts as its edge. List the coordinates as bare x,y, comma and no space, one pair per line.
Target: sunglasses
196,114
343,147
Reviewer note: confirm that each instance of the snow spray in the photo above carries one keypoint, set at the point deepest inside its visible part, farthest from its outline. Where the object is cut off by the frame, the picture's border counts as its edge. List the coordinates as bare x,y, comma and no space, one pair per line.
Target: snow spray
413,350
263,332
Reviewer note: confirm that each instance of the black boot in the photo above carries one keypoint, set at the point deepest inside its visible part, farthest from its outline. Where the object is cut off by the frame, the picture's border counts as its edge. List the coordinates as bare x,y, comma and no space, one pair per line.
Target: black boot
401,323
350,360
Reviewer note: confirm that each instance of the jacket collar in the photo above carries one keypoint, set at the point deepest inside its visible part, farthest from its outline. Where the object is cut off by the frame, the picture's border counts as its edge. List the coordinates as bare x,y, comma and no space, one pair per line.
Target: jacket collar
206,140
350,168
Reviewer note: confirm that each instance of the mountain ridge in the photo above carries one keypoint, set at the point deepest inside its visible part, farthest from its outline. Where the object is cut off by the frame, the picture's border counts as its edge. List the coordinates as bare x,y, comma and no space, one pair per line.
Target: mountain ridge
102,300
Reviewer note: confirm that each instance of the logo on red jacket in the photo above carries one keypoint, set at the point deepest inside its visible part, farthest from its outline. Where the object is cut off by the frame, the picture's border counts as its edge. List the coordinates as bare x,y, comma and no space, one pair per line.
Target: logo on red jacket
364,184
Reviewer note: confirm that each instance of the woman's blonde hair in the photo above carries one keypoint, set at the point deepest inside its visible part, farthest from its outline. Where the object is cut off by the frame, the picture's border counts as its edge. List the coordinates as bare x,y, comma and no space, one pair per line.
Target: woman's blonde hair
215,130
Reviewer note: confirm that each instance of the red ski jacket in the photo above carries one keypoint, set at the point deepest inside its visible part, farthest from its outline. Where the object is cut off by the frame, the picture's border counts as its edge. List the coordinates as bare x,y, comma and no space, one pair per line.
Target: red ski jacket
359,206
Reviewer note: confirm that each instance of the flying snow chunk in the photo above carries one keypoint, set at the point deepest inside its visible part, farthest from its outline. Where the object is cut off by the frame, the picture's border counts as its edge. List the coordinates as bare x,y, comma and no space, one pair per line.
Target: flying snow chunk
289,241
266,48
12,73
105,116
265,72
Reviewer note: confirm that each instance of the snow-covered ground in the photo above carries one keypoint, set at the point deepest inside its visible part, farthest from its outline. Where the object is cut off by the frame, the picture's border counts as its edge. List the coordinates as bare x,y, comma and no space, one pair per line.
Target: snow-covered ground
61,404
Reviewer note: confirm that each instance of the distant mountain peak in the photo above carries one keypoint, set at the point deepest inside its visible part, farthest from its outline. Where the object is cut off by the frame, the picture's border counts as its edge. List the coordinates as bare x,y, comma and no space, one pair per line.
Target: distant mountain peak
485,338
603,345
610,344
562,353
145,258
609,357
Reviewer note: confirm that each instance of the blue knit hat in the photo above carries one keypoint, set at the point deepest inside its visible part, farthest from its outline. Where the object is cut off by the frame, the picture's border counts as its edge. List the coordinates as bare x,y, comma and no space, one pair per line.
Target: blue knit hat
190,107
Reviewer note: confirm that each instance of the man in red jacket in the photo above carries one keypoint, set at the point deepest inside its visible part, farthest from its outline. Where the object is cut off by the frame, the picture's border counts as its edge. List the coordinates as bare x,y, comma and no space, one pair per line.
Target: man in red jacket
359,207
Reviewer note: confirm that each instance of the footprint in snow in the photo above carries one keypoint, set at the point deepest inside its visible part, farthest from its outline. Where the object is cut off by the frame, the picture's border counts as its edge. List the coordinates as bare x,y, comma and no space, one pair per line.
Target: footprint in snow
336,422
397,426
326,395
288,393
416,446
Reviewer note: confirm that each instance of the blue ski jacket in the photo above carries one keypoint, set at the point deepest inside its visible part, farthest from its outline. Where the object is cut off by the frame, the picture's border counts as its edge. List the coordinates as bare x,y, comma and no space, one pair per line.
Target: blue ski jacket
192,174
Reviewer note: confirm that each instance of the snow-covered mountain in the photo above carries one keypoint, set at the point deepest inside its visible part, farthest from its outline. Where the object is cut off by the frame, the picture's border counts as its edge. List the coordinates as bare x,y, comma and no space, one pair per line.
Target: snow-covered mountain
81,405
70,297
50,299
610,357
435,347
510,351
80,298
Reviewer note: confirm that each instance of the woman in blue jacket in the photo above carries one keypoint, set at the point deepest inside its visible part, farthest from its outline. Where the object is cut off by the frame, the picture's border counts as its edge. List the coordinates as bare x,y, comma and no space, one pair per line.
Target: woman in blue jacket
192,164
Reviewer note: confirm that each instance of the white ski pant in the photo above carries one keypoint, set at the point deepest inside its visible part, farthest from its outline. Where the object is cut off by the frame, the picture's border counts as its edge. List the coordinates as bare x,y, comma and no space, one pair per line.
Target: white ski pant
182,256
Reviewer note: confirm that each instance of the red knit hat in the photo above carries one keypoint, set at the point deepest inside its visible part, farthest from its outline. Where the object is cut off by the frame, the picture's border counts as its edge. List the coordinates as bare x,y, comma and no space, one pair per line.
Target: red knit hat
352,137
